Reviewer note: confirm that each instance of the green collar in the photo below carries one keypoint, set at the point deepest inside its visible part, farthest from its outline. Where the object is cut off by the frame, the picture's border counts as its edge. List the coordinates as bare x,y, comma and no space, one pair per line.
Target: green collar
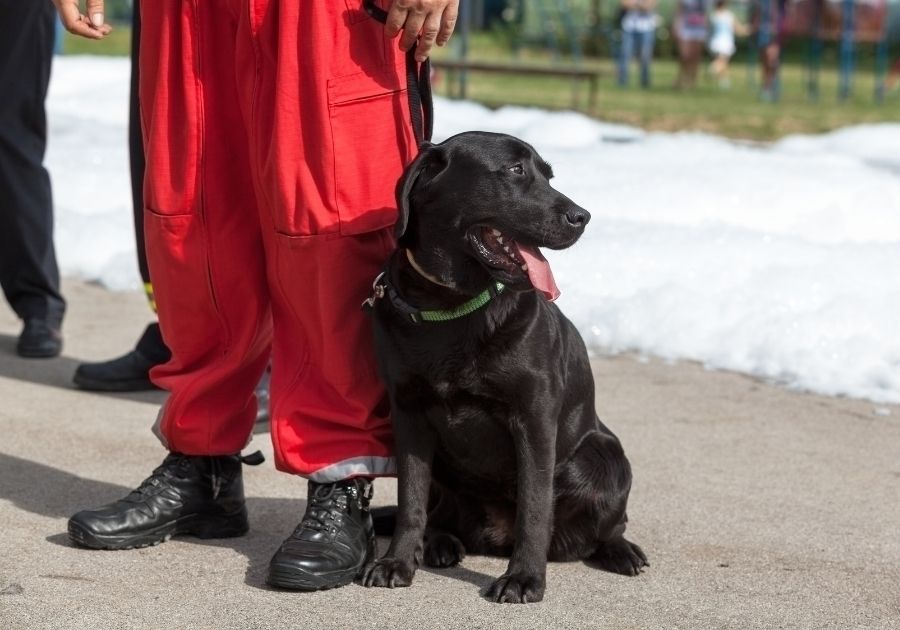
465,308
382,288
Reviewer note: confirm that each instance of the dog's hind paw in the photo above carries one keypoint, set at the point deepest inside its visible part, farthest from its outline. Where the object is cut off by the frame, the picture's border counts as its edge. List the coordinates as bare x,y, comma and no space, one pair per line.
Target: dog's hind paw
389,573
620,556
516,588
443,550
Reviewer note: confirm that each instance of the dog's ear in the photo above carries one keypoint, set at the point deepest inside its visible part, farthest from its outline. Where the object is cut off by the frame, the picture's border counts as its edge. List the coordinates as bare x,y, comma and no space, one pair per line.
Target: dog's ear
430,163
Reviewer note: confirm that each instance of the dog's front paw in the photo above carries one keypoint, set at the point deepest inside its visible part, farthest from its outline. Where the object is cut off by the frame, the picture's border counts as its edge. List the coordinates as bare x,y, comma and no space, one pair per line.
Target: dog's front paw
388,572
516,588
443,550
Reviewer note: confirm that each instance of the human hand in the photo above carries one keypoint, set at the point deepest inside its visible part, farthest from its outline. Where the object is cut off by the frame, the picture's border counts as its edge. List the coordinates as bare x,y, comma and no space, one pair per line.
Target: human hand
434,19
90,24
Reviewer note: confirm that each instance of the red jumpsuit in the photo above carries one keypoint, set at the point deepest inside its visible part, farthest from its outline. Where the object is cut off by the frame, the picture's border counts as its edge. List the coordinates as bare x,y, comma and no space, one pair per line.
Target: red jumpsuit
275,133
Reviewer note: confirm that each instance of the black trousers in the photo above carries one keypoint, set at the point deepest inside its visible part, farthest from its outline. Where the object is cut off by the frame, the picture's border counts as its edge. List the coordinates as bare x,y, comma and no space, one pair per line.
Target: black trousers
29,275
136,146
151,343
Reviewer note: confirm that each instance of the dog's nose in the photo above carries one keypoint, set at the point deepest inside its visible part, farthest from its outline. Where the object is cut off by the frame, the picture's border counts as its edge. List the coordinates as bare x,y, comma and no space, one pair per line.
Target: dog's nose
578,217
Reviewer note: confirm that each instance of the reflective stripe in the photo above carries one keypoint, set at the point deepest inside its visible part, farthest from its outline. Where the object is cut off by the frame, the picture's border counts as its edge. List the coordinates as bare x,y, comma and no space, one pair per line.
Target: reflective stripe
355,467
364,466
148,289
157,427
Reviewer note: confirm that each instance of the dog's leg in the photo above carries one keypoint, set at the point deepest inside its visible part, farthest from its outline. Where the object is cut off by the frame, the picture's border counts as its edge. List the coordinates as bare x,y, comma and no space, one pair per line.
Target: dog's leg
525,578
415,443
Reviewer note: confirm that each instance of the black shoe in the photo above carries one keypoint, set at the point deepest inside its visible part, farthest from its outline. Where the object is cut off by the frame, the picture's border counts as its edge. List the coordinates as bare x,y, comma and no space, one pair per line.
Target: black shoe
332,543
201,496
128,373
40,339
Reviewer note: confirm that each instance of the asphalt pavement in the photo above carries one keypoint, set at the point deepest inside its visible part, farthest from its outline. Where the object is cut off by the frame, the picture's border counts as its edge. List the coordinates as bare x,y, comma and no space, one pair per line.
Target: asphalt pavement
758,507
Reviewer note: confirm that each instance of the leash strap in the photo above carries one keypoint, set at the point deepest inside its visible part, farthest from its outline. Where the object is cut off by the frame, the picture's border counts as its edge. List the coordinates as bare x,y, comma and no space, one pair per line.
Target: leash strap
418,83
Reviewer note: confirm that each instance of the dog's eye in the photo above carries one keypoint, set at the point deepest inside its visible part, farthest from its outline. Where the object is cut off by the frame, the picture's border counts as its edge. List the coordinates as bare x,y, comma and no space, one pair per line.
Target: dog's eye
517,169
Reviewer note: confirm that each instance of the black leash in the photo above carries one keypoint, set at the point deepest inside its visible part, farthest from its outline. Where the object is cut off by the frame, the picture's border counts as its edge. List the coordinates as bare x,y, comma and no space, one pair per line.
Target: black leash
418,83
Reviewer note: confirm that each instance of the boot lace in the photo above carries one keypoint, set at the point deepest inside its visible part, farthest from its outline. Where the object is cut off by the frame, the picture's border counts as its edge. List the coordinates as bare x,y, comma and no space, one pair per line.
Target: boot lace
328,502
169,468
176,465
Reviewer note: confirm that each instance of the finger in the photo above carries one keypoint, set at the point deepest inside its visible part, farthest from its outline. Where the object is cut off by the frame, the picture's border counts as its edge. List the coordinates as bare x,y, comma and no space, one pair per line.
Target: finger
76,23
69,15
95,13
396,18
448,22
82,28
430,30
414,22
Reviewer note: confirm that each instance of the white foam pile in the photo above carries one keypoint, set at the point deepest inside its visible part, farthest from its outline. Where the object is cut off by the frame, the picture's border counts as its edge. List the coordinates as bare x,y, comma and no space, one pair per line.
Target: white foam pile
781,261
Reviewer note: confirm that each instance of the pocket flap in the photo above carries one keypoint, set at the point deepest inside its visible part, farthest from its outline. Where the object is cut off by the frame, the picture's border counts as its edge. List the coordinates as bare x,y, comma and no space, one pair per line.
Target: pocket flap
370,84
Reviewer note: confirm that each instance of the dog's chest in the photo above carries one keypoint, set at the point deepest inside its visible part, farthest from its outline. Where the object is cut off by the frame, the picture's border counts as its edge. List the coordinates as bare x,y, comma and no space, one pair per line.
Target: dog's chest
472,422
458,399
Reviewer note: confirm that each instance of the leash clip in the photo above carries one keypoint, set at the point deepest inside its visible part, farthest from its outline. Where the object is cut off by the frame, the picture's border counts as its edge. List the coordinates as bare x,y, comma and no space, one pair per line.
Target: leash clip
377,292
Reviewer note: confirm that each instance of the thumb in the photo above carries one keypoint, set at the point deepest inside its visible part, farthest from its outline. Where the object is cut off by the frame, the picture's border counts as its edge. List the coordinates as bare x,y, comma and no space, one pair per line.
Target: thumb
95,12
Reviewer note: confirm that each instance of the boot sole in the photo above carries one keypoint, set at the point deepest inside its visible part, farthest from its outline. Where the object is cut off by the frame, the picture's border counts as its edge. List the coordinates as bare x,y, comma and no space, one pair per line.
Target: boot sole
204,527
293,579
27,353
99,385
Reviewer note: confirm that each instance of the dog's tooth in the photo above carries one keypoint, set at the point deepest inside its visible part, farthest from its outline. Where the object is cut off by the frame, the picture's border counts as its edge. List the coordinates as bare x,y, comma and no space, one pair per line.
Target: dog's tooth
524,267
495,232
500,239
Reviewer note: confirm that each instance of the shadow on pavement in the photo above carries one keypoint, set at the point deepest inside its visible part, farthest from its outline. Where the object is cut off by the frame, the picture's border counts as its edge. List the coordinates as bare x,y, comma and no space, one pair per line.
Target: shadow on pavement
54,493
57,373
481,580
47,491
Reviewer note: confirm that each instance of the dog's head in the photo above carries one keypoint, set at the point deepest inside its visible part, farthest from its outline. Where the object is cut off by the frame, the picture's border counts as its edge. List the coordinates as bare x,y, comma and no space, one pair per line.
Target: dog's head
478,206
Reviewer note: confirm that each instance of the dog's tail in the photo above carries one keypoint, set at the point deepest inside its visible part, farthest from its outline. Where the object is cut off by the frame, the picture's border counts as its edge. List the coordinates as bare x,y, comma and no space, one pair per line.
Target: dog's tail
385,520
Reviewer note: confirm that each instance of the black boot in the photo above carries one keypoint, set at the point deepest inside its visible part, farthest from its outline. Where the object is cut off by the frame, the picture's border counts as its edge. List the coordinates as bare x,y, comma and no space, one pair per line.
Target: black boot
197,495
332,543
40,339
131,371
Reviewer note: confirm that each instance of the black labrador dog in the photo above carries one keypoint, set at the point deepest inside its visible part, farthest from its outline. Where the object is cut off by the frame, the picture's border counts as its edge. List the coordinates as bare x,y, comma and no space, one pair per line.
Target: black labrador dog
499,447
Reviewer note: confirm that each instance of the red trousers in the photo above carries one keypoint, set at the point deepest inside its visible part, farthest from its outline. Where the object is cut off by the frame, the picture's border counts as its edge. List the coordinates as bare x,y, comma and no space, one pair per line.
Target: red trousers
275,132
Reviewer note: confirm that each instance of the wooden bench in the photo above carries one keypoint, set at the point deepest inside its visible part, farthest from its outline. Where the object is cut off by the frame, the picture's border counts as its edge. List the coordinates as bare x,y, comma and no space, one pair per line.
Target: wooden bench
577,74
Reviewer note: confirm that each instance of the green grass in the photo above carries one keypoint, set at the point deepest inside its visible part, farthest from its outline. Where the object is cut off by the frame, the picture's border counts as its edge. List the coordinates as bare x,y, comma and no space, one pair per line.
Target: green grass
737,112
116,43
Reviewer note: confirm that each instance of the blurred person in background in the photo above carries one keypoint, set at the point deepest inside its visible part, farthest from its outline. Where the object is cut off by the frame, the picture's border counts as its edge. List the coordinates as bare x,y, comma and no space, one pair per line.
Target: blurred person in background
638,25
275,132
691,33
724,25
893,76
131,371
29,274
769,19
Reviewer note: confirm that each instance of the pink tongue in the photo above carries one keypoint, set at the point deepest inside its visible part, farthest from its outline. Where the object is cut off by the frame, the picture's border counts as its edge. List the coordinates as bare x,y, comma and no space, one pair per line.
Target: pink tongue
539,271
